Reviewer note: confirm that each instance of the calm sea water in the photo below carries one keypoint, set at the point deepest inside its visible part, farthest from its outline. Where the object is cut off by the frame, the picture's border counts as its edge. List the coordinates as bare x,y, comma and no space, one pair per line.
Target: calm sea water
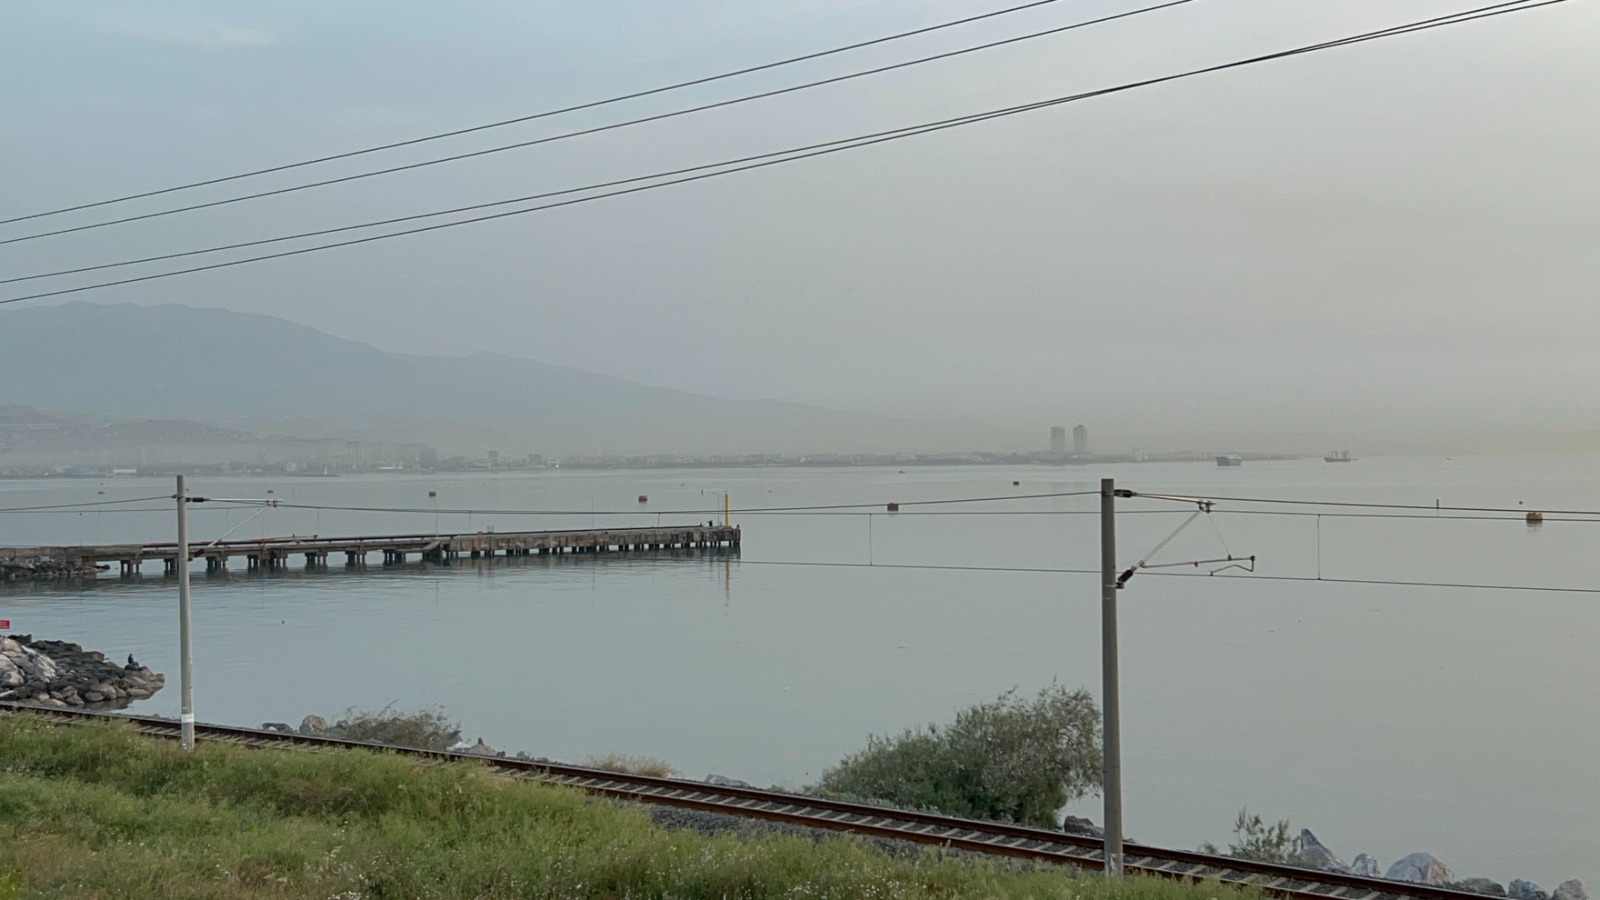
1388,719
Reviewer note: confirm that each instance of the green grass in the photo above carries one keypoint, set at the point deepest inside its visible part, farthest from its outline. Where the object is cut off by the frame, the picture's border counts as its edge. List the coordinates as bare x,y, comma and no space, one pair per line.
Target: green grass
629,764
89,811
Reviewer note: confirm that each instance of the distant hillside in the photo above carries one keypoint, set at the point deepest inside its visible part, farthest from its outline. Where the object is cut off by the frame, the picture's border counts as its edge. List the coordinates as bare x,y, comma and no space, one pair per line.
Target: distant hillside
263,373
31,438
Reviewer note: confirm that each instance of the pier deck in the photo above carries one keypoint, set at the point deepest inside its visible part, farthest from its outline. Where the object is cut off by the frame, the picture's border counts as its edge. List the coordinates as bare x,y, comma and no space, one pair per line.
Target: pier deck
279,552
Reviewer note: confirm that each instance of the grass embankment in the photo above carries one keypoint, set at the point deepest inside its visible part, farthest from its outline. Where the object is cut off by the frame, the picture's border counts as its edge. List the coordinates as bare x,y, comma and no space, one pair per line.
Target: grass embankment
98,811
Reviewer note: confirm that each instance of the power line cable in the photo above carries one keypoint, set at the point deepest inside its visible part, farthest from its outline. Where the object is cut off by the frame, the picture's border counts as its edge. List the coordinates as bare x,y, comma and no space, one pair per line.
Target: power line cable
541,115
19,509
1045,570
876,509
773,155
932,568
1389,582
428,510
93,512
1519,517
857,514
1427,24
672,114
1355,505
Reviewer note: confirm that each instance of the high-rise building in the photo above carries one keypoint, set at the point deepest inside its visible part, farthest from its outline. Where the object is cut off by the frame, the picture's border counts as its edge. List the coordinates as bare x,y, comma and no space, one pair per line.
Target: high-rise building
1058,438
1080,440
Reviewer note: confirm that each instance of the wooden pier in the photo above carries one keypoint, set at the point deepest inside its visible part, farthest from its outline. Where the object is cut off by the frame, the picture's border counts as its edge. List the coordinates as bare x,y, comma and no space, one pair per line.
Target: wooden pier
280,552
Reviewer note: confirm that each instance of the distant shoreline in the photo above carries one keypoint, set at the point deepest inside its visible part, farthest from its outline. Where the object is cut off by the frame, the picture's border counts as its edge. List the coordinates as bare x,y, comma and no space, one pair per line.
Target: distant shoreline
864,461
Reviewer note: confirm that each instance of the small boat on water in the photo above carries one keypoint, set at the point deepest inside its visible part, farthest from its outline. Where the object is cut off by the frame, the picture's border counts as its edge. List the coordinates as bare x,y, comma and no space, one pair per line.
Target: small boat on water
1339,456
1230,459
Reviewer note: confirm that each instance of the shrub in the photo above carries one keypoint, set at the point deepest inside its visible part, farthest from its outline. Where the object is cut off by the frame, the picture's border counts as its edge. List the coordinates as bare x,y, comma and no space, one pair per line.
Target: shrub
629,764
97,811
1260,842
428,729
1013,760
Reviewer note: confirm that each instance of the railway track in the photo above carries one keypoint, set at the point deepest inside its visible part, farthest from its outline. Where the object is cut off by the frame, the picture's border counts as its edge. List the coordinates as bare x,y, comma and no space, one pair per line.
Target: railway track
1020,842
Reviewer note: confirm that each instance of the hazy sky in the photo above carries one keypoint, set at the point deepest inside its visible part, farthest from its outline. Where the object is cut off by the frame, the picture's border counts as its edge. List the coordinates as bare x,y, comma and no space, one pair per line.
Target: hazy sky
1398,234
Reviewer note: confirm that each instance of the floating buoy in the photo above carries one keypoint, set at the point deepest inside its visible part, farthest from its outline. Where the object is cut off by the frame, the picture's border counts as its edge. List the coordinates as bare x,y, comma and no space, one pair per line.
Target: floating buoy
644,498
1535,518
894,507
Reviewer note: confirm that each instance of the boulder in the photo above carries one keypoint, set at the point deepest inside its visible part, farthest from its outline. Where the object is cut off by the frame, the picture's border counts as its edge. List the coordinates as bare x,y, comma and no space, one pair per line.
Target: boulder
1526,890
477,749
1080,825
1570,890
313,725
1366,866
65,674
724,781
1481,886
1419,868
1316,854
279,727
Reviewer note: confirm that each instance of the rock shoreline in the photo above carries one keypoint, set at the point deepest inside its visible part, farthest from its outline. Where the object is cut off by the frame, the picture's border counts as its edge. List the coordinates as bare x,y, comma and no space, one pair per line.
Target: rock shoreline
44,568
1417,868
1425,868
61,675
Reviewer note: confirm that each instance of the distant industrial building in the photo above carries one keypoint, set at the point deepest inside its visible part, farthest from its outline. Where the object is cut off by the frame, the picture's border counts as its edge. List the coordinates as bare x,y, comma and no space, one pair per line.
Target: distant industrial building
1080,439
1058,438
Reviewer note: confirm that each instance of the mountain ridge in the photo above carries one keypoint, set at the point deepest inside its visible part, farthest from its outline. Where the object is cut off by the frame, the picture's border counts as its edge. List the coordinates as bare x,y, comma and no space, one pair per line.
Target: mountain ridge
254,371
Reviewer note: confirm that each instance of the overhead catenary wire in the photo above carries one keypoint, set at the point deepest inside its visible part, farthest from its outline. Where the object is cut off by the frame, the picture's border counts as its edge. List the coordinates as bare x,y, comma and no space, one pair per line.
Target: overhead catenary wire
78,506
1362,505
428,510
598,129
847,144
593,104
1048,570
90,511
861,509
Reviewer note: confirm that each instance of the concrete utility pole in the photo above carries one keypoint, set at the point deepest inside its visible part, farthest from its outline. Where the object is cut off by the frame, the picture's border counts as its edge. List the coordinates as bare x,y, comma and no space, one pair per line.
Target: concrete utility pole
1111,781
185,664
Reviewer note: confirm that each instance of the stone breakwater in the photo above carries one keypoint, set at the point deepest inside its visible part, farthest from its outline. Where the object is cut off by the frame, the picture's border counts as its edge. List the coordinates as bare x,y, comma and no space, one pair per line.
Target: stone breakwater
44,568
58,674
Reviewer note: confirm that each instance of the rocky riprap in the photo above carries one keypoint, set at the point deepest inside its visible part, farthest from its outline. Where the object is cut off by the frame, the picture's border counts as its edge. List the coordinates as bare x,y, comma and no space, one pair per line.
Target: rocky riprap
44,568
1425,868
58,674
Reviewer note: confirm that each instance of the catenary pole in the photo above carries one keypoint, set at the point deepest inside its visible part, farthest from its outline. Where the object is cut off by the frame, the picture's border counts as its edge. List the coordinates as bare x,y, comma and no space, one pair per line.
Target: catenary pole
1110,703
185,664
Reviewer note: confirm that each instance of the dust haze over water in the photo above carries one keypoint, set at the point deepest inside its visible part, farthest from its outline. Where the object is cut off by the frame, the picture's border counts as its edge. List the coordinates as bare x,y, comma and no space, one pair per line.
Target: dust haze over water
1389,238
1378,246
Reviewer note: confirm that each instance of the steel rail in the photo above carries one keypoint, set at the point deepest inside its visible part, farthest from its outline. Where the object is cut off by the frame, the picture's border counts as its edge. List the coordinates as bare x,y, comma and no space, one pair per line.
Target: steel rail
949,832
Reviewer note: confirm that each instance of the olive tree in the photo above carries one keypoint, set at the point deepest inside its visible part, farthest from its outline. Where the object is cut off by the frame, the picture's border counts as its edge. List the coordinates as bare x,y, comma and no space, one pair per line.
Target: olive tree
1014,759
